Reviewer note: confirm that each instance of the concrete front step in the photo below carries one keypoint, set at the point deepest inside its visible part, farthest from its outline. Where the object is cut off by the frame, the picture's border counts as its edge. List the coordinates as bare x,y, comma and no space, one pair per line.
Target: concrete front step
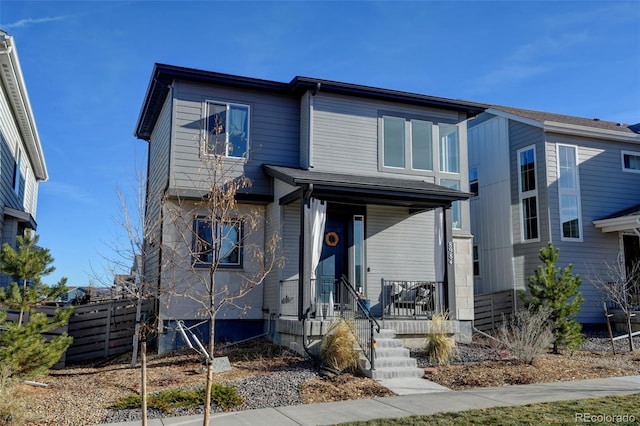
393,360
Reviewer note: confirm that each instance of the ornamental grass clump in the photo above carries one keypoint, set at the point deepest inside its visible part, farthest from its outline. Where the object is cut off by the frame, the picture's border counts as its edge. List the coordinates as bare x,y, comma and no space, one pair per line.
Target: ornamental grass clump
440,345
338,350
527,335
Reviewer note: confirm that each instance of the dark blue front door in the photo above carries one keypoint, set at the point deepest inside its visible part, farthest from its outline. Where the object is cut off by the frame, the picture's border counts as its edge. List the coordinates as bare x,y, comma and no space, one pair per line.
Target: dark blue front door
332,260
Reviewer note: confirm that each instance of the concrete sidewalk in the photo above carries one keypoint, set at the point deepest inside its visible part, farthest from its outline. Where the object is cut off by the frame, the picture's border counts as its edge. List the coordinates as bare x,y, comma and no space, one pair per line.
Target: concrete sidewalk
430,401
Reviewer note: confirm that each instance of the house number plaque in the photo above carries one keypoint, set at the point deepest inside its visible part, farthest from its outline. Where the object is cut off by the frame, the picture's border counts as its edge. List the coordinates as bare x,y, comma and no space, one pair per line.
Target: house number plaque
450,252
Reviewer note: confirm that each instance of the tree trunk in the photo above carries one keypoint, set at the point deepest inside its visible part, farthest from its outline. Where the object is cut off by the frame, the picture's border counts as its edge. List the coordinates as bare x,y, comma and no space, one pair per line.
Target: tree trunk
24,294
143,386
212,323
630,331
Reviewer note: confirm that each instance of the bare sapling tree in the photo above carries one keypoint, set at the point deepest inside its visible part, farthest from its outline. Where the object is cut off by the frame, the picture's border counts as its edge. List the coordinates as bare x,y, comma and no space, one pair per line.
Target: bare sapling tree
619,284
215,251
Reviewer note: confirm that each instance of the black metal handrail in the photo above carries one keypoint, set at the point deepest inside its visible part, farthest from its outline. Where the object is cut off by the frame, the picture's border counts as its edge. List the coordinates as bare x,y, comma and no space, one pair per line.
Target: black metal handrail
351,306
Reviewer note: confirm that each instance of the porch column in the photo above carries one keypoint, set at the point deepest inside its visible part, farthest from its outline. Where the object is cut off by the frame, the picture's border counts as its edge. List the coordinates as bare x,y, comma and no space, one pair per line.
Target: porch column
449,273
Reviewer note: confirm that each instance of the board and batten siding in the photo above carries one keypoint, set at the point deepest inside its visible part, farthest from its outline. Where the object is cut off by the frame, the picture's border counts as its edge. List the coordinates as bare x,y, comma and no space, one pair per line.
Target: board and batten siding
157,180
604,189
491,209
525,254
274,133
398,246
345,133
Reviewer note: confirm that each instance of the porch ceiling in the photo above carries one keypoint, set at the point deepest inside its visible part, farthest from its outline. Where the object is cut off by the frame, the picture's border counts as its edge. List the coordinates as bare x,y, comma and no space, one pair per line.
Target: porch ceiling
390,190
624,220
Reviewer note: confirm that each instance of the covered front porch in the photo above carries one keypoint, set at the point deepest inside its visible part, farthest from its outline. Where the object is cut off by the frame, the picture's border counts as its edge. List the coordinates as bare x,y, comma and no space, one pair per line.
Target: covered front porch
374,248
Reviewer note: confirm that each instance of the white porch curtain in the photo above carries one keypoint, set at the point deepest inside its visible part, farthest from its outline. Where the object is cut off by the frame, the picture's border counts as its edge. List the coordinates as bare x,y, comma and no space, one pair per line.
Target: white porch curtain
317,217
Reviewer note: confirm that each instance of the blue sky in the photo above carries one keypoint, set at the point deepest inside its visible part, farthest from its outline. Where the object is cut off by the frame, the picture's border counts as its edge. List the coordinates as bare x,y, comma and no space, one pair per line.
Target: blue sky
87,66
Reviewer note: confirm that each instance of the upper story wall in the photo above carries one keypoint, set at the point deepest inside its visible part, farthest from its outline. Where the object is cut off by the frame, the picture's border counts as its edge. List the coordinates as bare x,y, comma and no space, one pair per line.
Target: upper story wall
274,124
346,134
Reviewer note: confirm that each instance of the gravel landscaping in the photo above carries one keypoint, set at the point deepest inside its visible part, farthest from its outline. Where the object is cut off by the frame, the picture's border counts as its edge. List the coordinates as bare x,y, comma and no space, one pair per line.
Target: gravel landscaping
266,376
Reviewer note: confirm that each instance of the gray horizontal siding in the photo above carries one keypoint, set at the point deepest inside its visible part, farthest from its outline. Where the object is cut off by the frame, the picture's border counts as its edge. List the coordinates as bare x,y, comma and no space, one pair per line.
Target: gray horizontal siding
345,131
398,246
274,132
604,189
525,254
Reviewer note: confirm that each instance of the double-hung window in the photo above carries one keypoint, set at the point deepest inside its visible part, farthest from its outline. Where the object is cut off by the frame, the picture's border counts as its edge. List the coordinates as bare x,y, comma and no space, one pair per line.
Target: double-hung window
631,161
218,243
407,144
569,193
528,193
227,129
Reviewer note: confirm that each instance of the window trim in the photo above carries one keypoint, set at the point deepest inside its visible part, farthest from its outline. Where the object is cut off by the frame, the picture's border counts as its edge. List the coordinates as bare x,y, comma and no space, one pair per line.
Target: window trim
632,153
207,150
215,246
528,194
408,144
475,260
456,206
569,192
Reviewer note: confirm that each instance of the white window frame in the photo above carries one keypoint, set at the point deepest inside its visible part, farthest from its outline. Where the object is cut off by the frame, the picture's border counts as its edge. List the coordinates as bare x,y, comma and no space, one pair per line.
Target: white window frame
207,149
216,243
408,145
633,153
528,194
574,192
456,206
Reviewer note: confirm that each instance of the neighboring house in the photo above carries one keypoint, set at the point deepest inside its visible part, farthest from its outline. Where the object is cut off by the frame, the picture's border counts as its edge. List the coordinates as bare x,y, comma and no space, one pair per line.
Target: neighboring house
380,174
541,177
22,165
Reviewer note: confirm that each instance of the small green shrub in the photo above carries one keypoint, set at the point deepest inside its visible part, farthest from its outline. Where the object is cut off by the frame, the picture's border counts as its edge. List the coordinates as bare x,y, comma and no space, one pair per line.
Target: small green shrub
225,397
338,349
440,346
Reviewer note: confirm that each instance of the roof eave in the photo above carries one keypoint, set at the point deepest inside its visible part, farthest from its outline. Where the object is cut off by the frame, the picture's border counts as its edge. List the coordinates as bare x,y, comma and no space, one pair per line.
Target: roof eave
591,132
19,101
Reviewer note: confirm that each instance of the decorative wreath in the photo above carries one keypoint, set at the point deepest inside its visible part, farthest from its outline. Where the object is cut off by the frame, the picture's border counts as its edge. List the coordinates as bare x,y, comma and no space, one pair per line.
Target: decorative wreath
331,239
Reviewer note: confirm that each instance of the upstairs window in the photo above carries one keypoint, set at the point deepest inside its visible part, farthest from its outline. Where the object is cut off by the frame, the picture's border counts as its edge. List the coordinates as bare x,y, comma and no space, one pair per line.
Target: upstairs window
631,161
219,242
569,193
408,144
17,172
528,194
473,181
449,149
227,129
455,213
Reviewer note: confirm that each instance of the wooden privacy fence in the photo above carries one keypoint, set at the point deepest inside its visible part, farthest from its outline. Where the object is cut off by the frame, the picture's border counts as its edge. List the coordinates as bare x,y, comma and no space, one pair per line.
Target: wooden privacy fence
490,308
99,330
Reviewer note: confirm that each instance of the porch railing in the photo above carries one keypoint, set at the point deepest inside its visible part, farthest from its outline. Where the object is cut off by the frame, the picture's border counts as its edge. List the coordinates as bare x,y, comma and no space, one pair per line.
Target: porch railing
351,307
411,299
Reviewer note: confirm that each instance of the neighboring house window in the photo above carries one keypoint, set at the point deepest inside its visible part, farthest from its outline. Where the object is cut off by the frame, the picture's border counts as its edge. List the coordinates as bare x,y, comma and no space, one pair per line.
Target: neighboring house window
449,149
569,193
473,181
455,216
631,161
16,173
220,241
528,193
476,262
407,138
227,129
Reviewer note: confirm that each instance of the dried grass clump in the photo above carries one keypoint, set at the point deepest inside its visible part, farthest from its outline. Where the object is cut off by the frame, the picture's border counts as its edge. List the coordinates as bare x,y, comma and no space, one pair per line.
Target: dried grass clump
527,335
338,349
12,408
440,346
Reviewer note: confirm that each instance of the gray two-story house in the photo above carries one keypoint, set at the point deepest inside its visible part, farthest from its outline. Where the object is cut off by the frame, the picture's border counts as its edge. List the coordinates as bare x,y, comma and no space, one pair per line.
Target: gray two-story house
539,177
22,162
363,185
